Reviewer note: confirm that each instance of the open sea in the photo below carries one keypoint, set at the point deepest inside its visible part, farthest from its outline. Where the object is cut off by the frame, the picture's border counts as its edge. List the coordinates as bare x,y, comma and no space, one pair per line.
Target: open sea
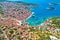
42,12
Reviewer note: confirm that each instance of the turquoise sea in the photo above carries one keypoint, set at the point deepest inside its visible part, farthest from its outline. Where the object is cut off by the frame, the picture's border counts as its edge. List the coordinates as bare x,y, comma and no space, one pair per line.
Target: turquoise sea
41,13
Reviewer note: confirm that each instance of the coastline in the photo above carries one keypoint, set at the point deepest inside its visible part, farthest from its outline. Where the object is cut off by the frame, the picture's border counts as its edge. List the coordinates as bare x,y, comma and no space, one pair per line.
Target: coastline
19,22
45,21
30,16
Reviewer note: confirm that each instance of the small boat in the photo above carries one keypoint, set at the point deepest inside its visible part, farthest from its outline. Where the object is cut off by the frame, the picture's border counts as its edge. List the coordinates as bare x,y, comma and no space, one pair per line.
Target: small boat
53,3
33,15
51,8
